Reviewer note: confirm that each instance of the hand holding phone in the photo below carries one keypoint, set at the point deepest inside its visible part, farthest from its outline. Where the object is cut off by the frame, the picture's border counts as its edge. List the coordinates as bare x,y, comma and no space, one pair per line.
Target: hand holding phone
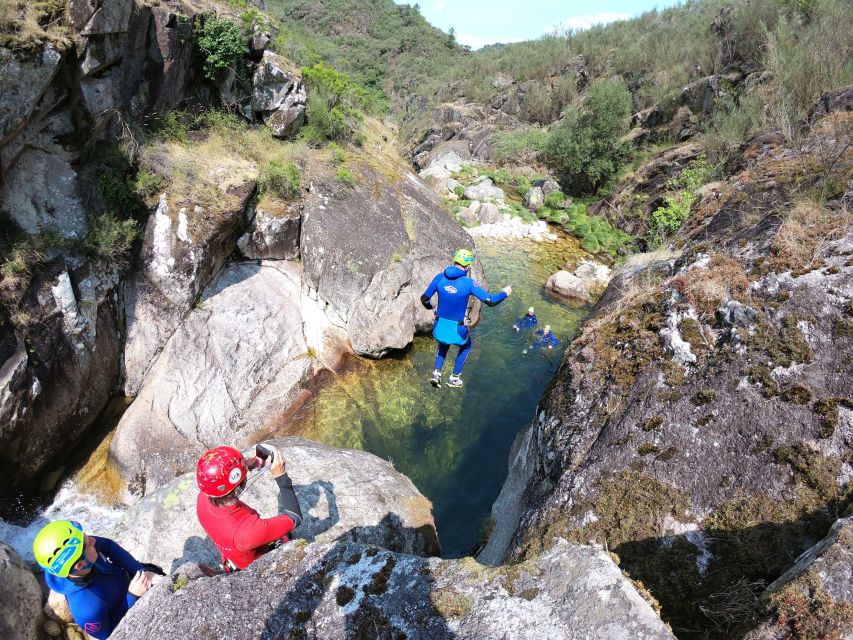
265,454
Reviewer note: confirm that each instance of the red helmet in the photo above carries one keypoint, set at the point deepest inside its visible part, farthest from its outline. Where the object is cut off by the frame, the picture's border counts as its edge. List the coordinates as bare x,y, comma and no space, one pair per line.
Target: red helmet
220,471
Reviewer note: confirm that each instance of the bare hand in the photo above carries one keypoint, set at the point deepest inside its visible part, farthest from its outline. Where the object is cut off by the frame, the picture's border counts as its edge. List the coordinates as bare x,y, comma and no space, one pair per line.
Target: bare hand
141,583
507,291
277,468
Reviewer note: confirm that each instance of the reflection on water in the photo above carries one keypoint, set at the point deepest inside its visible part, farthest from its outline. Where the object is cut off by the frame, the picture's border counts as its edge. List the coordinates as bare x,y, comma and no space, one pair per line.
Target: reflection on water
454,443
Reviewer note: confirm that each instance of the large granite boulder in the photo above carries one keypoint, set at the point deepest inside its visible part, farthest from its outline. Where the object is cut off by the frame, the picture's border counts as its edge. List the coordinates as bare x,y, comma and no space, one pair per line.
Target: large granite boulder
20,597
534,198
370,251
235,367
184,246
588,280
349,590
484,191
278,95
344,495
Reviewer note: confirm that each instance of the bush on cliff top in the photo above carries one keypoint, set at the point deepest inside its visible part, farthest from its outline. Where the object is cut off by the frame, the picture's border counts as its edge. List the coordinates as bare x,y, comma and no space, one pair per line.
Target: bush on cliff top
586,147
221,44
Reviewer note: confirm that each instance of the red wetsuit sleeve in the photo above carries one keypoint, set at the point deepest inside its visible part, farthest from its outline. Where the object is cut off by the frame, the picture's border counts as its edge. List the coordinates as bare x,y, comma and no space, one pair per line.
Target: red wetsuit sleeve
256,532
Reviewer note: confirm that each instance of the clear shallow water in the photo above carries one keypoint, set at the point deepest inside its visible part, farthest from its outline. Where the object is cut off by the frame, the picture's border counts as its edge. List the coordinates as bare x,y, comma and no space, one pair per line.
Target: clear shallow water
454,443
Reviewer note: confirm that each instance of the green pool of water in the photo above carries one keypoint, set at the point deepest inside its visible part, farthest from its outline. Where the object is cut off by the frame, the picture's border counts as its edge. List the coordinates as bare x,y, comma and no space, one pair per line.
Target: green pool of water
454,443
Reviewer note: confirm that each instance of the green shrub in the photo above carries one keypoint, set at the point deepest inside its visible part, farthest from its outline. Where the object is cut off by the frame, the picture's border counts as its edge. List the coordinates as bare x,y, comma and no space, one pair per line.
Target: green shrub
520,144
338,155
110,239
668,219
118,196
500,175
731,124
221,44
280,179
332,106
171,126
555,199
345,177
596,234
224,123
459,190
250,18
148,184
586,147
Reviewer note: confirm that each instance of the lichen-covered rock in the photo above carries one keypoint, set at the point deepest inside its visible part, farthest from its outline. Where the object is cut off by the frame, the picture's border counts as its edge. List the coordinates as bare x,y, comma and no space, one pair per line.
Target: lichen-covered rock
534,198
20,597
370,252
814,598
701,422
235,367
344,495
484,191
278,95
347,590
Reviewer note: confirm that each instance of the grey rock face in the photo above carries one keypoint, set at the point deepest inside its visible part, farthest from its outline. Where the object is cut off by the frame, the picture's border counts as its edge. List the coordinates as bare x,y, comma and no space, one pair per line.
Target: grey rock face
371,251
278,95
349,590
271,236
40,193
586,281
489,213
549,185
235,366
184,247
20,597
22,84
344,495
53,387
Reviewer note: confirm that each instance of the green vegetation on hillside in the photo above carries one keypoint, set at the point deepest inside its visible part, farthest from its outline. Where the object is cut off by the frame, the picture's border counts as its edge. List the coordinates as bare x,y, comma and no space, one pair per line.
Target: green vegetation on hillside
384,47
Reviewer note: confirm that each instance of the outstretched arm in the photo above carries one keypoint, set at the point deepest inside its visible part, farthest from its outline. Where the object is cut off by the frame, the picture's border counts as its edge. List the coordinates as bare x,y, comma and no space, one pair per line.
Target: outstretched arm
491,299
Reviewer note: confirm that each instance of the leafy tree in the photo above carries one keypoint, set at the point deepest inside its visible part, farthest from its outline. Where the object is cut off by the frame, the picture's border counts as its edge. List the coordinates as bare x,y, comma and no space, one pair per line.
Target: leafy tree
221,44
586,147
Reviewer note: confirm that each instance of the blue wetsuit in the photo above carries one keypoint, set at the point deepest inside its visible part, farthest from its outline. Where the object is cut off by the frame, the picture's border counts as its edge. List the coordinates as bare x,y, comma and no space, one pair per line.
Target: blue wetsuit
526,321
101,602
544,341
453,287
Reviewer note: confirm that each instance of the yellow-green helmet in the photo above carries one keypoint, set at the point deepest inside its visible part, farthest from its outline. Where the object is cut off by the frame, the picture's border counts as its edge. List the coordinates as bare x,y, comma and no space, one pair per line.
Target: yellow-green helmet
463,257
58,546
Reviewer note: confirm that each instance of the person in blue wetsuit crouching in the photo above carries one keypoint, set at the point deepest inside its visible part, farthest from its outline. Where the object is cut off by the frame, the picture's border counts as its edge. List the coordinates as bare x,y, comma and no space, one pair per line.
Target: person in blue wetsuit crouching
453,286
527,321
99,579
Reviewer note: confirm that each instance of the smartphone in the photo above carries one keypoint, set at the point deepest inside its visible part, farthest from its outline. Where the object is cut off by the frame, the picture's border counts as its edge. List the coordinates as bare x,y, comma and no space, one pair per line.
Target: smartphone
263,453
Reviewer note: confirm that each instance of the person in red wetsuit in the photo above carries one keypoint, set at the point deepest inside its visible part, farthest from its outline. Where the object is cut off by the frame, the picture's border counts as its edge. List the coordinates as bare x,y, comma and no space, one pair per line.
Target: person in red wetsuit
236,529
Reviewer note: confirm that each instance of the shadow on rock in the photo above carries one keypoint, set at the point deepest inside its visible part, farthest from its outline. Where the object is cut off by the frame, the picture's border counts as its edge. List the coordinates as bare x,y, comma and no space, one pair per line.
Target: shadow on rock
195,547
311,496
709,582
381,595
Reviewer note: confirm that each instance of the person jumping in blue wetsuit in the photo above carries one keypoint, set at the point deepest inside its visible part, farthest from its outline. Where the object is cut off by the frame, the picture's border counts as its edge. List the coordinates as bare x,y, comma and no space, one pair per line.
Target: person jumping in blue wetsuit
527,321
545,339
100,580
453,286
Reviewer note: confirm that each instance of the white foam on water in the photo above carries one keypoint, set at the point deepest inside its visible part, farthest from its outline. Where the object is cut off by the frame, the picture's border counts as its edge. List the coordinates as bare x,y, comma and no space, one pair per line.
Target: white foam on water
68,504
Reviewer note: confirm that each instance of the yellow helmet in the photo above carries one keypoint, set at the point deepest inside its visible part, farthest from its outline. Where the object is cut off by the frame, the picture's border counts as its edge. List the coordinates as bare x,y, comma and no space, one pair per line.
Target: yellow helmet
58,546
463,257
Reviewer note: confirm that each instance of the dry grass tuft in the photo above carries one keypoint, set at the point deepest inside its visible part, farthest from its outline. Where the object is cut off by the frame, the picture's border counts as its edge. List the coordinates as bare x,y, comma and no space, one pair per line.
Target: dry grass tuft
801,237
706,289
28,25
